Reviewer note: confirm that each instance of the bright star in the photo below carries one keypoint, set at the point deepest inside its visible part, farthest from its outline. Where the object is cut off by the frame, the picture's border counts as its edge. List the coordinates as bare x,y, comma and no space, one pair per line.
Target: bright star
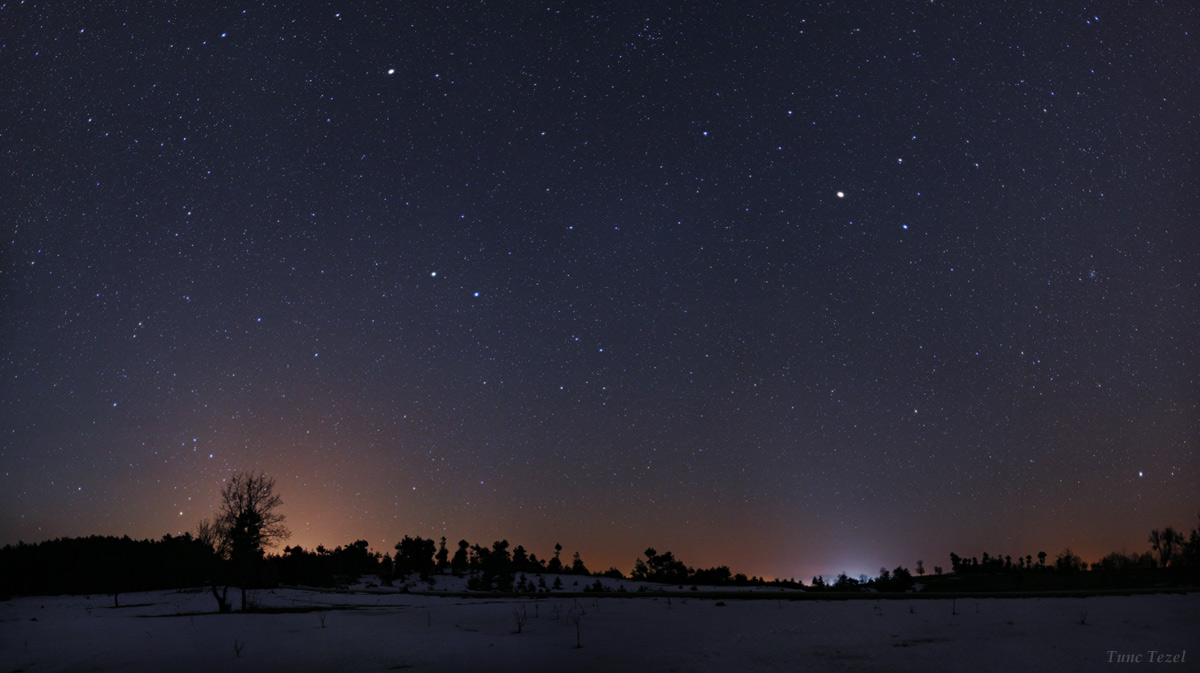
841,195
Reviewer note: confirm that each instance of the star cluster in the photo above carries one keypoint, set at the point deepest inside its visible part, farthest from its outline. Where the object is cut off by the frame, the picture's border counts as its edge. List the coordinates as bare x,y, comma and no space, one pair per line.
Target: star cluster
795,288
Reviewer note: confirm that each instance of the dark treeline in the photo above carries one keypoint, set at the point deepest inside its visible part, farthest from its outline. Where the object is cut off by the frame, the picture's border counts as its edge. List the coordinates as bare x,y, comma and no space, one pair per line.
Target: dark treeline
107,565
498,567
1171,559
501,569
229,551
666,569
111,565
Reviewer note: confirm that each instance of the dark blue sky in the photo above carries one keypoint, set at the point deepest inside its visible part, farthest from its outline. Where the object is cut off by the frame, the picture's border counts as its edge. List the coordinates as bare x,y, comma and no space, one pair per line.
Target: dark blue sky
794,287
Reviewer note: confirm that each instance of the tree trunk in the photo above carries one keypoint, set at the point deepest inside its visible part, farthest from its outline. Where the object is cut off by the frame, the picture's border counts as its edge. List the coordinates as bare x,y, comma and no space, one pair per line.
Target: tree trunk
222,598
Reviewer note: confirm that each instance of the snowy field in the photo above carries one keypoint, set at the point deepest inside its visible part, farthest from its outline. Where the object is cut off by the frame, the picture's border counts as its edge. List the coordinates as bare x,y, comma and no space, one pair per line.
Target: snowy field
178,632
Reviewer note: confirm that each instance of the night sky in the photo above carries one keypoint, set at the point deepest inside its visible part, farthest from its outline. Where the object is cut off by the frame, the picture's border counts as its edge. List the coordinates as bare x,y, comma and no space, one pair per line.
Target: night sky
794,287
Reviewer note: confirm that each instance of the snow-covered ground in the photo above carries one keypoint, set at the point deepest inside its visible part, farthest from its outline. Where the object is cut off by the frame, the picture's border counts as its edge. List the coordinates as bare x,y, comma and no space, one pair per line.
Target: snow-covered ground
377,630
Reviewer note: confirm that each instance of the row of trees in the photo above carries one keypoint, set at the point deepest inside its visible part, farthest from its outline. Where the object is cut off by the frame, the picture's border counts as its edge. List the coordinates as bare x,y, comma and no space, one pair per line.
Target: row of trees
1066,560
229,551
104,565
666,569
424,557
1168,550
490,568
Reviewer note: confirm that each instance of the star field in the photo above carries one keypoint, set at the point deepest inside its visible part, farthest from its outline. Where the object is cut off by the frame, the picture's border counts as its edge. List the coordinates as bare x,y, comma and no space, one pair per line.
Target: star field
792,287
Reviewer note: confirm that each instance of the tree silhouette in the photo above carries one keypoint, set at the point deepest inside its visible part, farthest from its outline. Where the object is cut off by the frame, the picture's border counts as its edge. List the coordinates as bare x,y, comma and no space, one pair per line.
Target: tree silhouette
385,570
495,568
1165,543
1068,561
715,575
902,579
248,522
461,560
414,555
1189,556
443,555
520,559
555,565
661,568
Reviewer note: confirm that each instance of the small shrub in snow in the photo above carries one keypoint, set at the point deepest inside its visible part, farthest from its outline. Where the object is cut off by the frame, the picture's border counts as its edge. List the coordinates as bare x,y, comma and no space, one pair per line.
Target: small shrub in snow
575,617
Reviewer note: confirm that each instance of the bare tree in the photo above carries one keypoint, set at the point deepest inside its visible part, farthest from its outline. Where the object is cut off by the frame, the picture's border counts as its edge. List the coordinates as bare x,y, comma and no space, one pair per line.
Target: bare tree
249,500
1165,543
521,616
207,534
248,521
